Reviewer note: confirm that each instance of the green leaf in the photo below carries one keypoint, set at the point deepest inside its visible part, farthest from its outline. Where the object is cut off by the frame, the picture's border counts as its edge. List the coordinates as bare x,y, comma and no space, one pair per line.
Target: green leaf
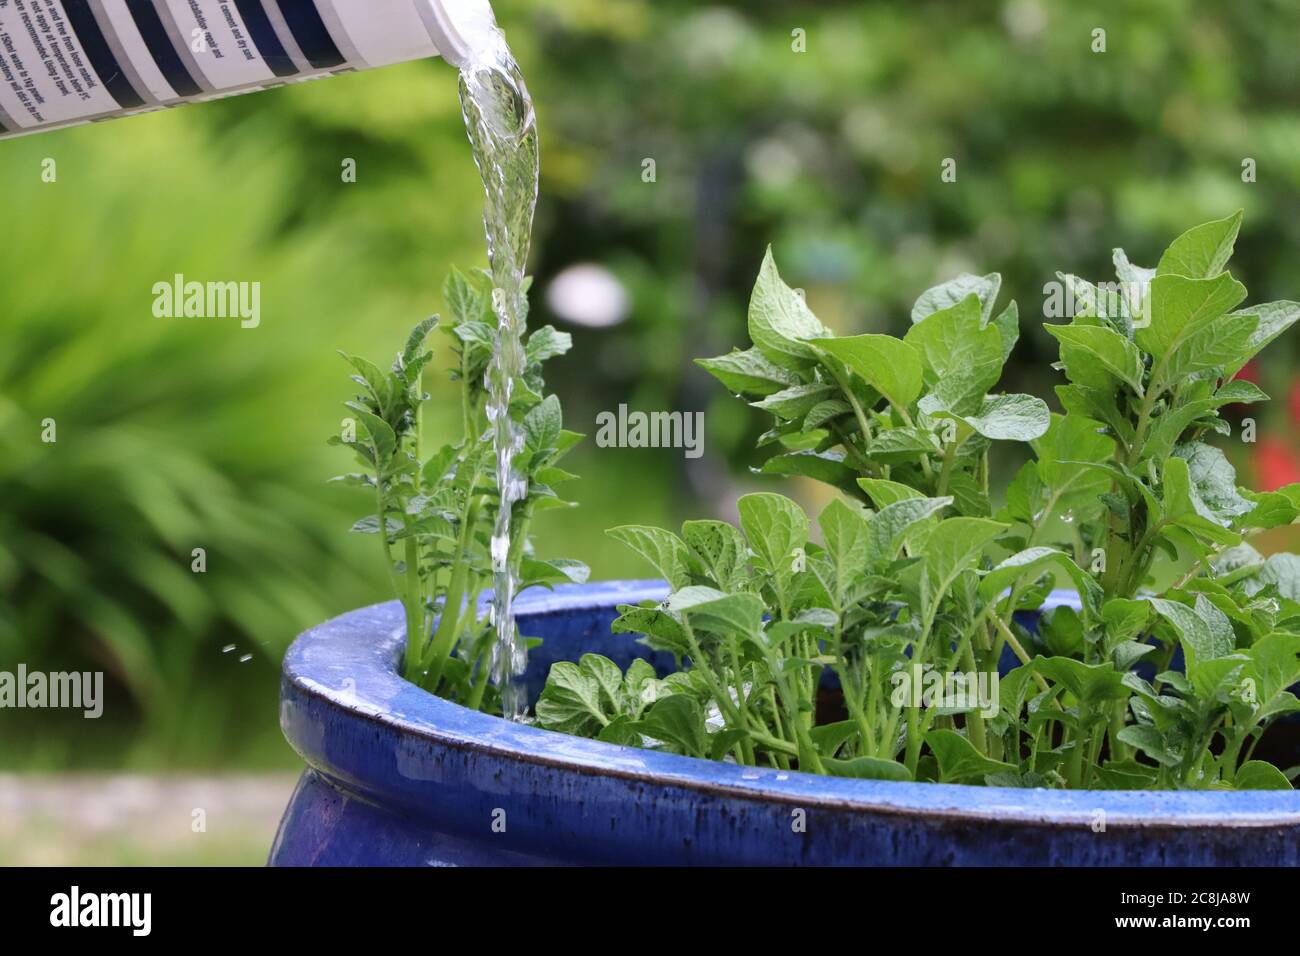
796,401
555,571
466,300
641,686
679,721
1202,251
1213,483
892,527
1082,402
566,441
546,343
1068,488
1008,326
1223,344
1062,630
720,548
846,533
884,492
962,356
1168,429
777,633
1182,307
550,475
593,698
1127,653
780,322
984,288
1032,562
542,425
709,609
955,545
889,365
1125,619
828,738
415,341
1151,742
1275,664
663,549
1136,282
382,437
825,412
1091,684
427,526
355,480
1006,417
1274,319
1205,633
1112,352
580,698
661,631
1184,506
1281,571
866,768
370,525
958,759
1024,494
381,385
824,466
1091,304
775,527
621,731
968,495
749,373
1258,775
722,741
439,463
1272,510
476,337
902,445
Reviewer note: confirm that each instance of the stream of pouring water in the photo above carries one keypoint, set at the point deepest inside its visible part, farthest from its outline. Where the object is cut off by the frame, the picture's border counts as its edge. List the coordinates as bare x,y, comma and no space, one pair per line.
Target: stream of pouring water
499,119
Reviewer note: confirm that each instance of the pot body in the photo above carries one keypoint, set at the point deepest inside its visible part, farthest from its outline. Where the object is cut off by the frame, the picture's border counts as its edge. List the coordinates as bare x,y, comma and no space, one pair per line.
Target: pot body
397,776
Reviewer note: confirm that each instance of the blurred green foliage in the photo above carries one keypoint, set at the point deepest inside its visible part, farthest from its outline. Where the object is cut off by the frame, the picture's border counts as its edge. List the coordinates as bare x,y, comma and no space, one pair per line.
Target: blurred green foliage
182,434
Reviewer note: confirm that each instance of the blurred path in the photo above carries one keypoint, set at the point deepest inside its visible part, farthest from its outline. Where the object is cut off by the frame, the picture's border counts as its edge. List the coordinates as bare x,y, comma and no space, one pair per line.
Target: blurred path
140,819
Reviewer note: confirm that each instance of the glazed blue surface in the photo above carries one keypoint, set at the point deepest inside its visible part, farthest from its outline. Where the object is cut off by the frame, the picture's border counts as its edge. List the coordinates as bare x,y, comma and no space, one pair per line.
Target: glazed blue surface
397,776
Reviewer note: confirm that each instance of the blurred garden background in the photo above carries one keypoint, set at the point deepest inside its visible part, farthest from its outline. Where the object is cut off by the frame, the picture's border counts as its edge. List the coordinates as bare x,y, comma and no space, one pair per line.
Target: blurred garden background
819,128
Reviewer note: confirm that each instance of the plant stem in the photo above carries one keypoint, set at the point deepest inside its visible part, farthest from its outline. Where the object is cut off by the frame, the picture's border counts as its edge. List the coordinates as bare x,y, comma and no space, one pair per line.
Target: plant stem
1016,646
453,612
1076,754
945,472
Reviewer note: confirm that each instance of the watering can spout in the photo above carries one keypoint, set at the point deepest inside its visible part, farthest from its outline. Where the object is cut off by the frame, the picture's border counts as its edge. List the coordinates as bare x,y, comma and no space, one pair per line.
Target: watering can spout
90,60
456,25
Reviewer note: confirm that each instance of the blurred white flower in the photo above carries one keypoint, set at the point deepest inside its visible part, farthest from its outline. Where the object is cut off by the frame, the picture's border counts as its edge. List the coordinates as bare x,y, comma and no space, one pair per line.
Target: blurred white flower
588,294
1024,19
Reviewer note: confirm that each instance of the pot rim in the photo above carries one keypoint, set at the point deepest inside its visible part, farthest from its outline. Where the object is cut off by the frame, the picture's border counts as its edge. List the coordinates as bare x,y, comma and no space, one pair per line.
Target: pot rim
348,668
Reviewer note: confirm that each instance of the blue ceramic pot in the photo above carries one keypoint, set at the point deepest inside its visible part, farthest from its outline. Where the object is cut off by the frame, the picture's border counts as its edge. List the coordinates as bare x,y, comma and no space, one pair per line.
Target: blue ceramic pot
396,776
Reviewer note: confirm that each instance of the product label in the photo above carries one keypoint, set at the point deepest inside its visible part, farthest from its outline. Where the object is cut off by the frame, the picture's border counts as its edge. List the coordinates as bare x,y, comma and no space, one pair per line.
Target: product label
70,61
220,43
45,76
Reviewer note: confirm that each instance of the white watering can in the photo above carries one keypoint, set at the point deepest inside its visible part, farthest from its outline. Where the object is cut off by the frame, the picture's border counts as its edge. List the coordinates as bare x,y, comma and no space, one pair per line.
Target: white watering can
67,62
